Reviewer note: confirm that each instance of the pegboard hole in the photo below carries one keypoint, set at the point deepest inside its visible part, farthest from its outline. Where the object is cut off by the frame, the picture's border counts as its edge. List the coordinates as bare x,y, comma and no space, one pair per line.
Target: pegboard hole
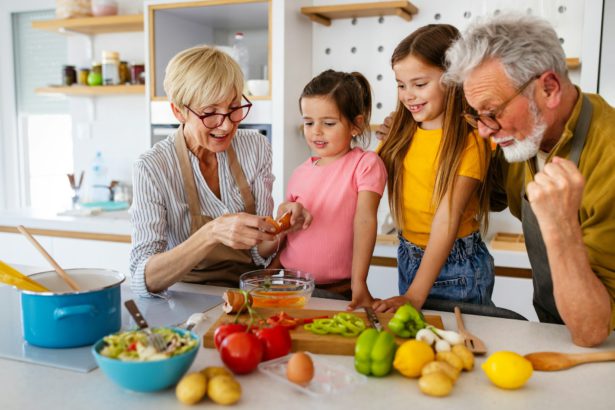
353,21
379,77
353,50
380,20
467,14
327,51
379,106
561,40
561,9
380,49
437,16
496,12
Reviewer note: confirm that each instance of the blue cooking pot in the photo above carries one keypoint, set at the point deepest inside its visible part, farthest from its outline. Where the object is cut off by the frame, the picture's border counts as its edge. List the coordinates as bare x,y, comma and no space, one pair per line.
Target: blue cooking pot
65,318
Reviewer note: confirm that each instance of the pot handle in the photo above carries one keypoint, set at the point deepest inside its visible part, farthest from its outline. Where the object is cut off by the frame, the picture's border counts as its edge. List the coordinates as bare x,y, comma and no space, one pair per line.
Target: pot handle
64,312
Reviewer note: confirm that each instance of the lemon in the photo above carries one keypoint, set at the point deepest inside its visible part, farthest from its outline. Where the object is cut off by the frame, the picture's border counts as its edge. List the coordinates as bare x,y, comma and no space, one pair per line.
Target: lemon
507,370
412,356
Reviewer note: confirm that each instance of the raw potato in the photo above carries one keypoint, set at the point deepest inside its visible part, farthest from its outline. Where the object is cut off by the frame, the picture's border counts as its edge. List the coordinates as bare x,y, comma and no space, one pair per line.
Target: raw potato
224,390
436,384
442,367
466,356
191,388
450,358
212,371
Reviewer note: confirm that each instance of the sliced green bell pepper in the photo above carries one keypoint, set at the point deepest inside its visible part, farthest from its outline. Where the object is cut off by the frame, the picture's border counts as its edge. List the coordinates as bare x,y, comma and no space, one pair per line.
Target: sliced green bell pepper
407,321
374,353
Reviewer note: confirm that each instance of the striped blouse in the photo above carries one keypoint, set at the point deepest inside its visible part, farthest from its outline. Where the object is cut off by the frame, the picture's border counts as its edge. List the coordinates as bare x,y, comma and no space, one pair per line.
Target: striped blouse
159,214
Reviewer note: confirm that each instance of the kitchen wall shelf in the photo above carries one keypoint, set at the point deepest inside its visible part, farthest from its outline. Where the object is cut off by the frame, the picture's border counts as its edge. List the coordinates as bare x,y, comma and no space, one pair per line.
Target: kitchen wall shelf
324,14
80,90
92,25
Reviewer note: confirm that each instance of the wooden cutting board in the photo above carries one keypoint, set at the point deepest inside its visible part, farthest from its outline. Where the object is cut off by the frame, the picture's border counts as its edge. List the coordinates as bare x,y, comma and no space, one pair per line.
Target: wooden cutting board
304,340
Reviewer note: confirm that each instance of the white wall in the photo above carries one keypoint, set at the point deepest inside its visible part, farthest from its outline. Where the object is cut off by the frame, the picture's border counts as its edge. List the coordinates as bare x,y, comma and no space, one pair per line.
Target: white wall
115,125
9,155
607,58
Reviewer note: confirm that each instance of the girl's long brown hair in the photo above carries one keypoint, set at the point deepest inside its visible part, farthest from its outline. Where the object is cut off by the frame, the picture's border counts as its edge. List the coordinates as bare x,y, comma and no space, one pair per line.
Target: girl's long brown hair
429,43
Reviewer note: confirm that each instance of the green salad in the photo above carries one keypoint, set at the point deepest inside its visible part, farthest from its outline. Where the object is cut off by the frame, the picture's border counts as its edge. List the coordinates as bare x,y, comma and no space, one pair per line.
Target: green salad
134,345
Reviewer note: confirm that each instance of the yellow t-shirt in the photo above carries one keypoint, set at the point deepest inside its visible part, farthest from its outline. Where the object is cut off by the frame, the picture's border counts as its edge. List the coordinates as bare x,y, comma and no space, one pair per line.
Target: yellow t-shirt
420,167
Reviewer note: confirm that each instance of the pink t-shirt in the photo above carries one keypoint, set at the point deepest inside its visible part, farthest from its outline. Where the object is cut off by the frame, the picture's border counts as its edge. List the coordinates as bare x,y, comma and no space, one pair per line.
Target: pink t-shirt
330,194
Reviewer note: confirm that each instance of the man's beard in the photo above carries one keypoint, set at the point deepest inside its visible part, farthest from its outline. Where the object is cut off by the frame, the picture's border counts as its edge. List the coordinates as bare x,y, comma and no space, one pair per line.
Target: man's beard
527,148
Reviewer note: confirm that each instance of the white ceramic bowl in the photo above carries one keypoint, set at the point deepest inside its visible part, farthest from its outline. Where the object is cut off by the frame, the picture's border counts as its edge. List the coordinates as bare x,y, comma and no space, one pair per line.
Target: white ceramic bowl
258,88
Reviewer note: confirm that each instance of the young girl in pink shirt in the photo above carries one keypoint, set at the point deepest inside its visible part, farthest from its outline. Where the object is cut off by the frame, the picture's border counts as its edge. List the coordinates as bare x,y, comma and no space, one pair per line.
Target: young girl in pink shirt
341,186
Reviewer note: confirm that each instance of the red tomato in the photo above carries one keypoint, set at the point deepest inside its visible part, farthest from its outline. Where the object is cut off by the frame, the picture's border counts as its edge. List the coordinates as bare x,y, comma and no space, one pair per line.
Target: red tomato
276,341
224,330
241,352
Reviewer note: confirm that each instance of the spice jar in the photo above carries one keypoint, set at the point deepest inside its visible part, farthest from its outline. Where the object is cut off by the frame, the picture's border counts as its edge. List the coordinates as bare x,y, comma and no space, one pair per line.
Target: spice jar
82,78
69,75
137,72
124,73
95,76
110,67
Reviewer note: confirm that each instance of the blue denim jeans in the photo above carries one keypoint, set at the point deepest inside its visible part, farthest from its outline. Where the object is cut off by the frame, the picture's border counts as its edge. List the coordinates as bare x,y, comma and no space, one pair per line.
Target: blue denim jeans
467,275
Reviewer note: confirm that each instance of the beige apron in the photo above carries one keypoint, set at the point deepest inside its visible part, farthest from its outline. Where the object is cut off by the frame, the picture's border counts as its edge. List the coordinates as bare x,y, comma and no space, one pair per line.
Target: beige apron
222,265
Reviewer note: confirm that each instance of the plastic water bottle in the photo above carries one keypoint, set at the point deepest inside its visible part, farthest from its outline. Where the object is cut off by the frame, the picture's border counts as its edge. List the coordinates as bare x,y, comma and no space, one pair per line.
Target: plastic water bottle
241,53
99,190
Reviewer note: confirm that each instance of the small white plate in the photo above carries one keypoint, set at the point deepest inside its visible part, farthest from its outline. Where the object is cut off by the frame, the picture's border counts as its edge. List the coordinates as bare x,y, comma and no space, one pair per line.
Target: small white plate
328,377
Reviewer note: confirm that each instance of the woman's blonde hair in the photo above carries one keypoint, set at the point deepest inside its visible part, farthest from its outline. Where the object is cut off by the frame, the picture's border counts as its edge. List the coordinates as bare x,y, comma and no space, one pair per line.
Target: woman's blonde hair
202,75
429,43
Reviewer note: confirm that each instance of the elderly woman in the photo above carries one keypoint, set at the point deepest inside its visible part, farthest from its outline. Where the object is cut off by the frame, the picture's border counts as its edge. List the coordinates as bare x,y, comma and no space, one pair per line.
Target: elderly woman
200,196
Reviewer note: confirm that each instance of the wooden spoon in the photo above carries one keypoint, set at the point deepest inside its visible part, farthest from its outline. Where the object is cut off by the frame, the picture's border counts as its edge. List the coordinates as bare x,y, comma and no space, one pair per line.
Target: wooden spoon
69,281
551,361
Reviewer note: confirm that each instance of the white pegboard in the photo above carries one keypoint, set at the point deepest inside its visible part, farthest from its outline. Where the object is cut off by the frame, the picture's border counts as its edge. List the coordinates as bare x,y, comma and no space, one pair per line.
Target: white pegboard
366,44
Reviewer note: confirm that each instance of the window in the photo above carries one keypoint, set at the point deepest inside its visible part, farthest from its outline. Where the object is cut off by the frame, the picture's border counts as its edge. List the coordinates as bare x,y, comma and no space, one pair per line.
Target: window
44,123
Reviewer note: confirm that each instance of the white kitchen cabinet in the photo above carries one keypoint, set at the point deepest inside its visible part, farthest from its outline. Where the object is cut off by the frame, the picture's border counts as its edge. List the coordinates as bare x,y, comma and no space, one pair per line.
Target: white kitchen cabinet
382,281
68,252
174,27
15,249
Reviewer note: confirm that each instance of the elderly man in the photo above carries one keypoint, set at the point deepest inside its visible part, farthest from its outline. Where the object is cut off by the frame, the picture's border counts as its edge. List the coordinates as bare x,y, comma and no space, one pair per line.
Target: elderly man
554,166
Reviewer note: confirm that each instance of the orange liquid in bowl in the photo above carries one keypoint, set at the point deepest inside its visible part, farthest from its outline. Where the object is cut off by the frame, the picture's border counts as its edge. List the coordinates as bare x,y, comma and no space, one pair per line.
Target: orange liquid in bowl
278,299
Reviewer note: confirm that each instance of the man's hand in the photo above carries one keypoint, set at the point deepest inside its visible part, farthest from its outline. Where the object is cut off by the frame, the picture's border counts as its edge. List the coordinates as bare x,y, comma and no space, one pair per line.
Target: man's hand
555,194
383,129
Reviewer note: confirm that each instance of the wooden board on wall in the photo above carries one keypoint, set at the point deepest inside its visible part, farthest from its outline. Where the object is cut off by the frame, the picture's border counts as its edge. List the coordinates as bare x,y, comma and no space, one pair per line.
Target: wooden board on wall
304,340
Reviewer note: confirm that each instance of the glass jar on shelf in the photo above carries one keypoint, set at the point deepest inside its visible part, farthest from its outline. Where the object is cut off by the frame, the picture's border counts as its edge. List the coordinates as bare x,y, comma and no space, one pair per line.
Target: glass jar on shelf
82,77
69,75
110,67
137,73
124,73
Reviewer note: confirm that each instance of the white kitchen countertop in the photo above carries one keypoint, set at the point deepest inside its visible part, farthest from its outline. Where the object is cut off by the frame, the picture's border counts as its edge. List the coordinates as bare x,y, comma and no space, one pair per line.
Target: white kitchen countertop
30,386
117,222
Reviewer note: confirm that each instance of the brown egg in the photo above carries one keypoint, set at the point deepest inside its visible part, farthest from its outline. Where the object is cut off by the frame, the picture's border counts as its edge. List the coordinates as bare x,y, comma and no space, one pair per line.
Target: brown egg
300,368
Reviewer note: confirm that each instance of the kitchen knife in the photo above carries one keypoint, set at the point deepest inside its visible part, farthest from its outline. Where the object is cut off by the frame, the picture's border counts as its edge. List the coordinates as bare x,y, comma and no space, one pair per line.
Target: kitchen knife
373,318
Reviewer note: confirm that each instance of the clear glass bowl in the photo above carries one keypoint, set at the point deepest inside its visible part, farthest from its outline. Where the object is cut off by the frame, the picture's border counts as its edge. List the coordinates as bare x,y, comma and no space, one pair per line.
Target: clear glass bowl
278,288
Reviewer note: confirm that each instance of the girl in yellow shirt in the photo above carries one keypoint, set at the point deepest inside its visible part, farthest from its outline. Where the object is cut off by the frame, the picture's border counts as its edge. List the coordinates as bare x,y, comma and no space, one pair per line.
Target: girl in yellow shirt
436,171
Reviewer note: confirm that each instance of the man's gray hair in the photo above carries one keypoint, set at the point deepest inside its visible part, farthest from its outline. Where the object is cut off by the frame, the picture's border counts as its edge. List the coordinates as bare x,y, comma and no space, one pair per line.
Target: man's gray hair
524,44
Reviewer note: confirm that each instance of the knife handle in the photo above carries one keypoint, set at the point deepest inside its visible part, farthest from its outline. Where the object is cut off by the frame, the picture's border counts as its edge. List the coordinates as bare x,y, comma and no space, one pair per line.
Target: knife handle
134,311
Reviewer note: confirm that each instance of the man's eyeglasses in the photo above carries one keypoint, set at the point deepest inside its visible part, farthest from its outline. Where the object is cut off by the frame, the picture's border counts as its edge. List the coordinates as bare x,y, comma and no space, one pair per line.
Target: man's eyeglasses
214,119
490,120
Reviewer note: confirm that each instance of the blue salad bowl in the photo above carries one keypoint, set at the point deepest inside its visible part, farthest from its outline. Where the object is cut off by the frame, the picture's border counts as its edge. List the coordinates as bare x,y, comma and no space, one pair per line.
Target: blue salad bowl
147,376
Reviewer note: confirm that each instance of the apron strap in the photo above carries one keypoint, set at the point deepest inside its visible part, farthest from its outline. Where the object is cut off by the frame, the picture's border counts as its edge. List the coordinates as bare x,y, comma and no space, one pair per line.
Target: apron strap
241,181
194,205
578,137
